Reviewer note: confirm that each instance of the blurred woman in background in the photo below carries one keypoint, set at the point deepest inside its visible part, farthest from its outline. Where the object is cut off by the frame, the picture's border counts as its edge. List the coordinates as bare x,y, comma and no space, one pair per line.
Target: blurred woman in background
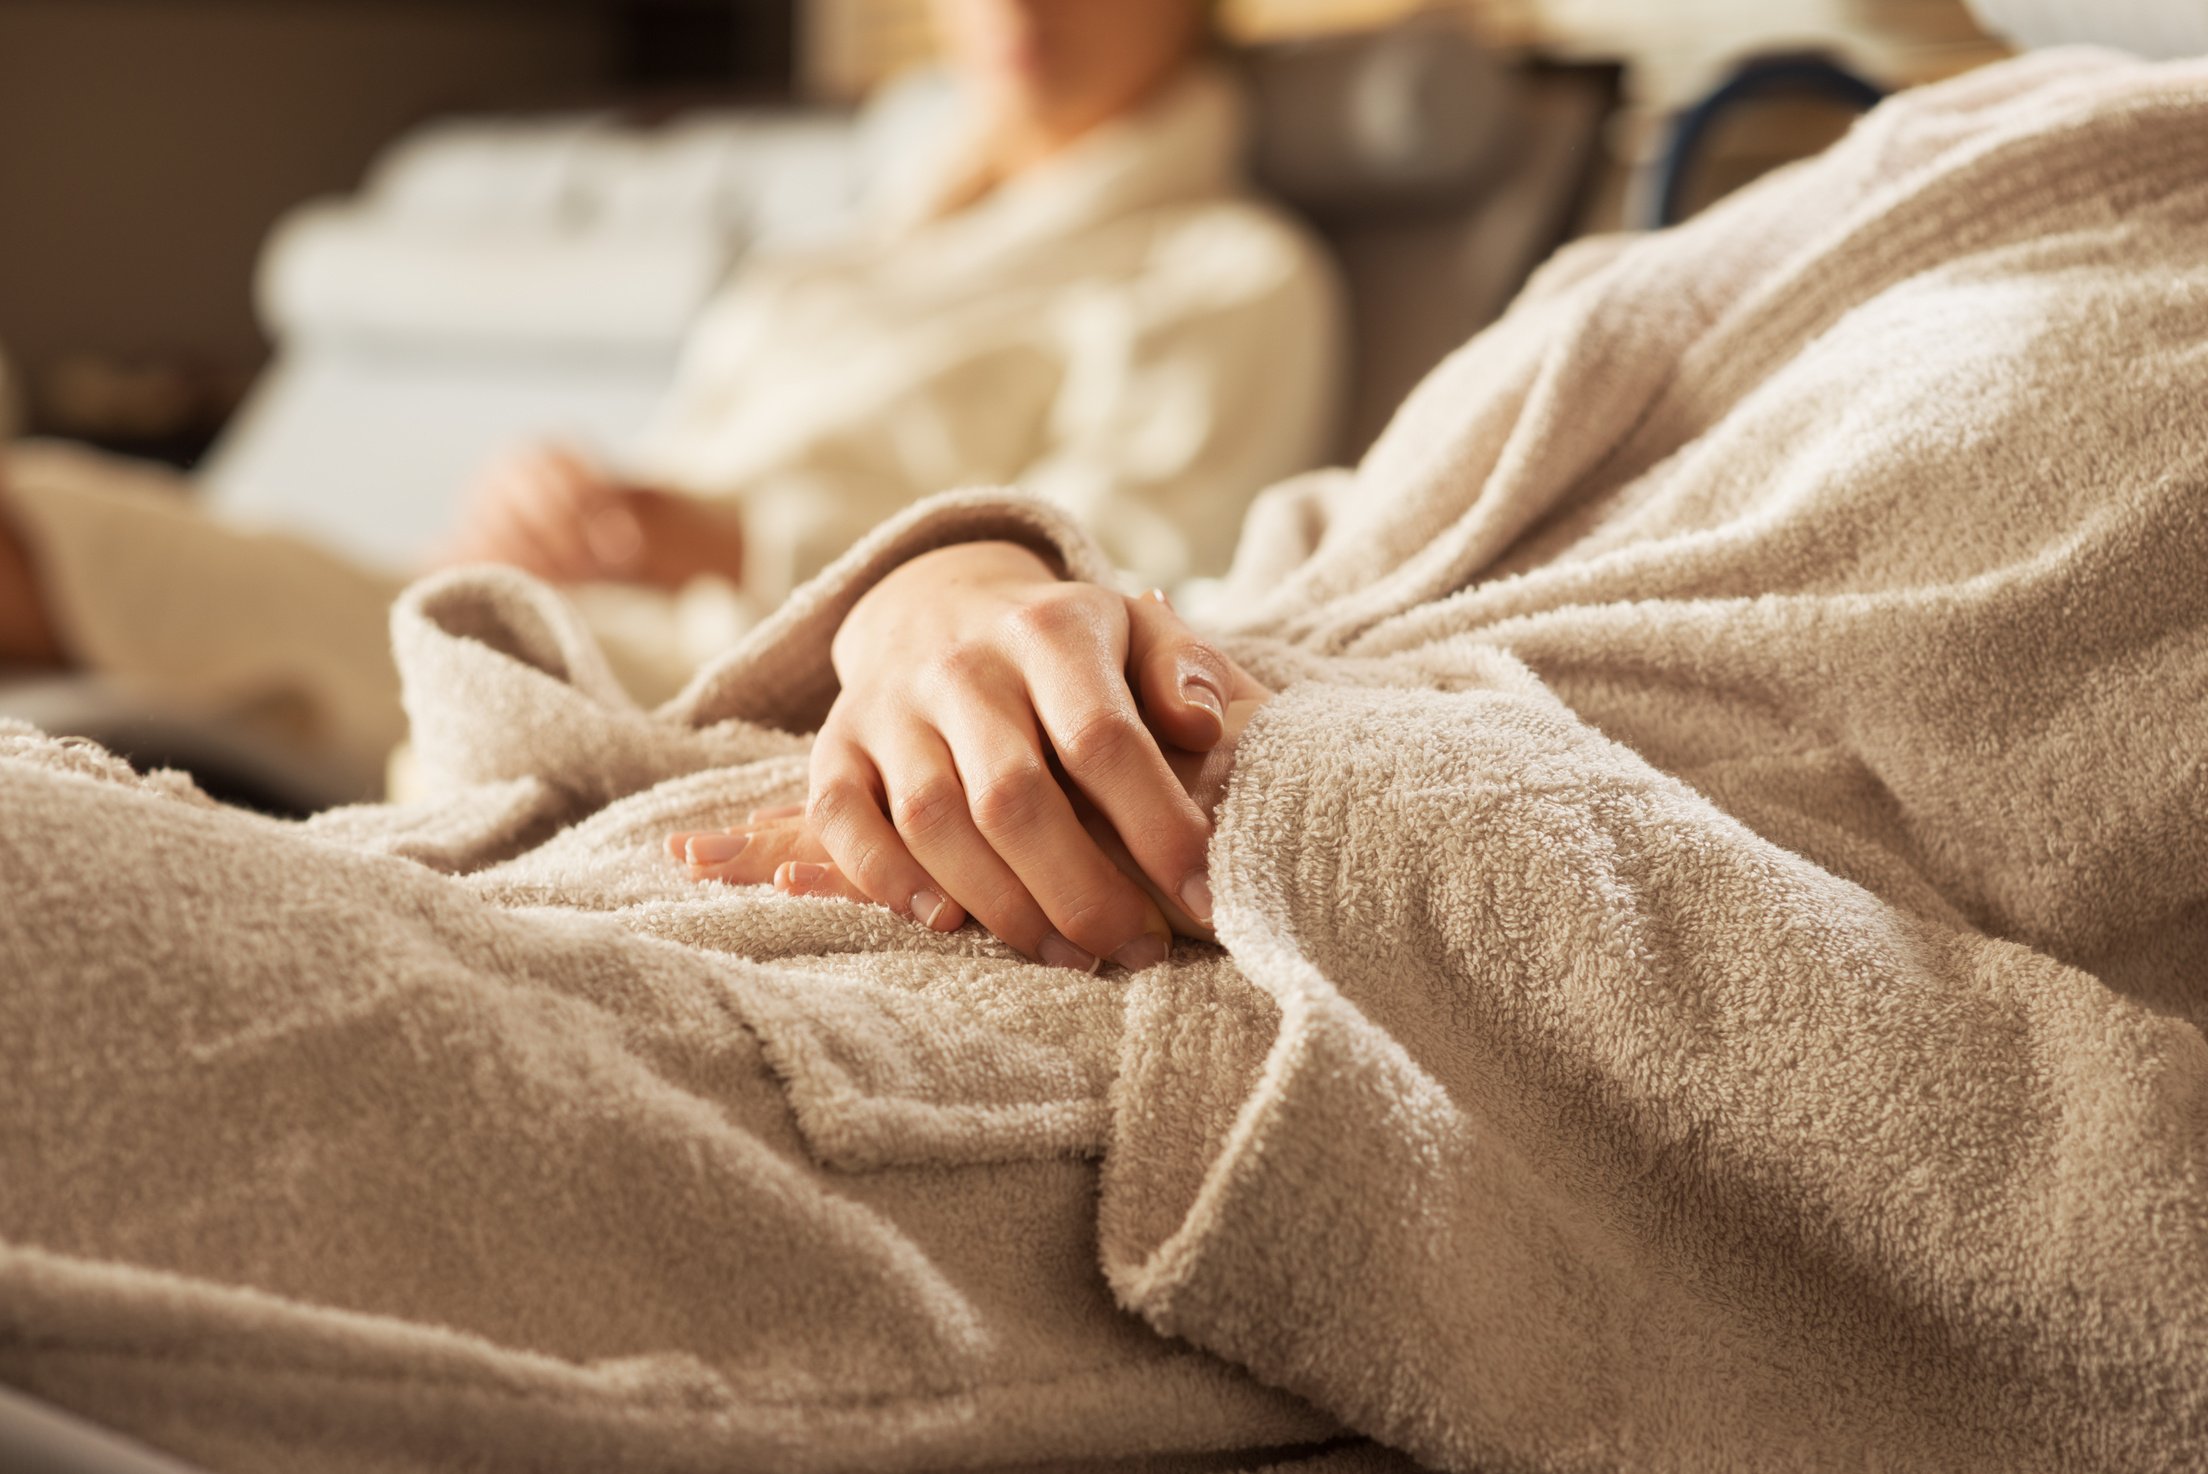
1076,296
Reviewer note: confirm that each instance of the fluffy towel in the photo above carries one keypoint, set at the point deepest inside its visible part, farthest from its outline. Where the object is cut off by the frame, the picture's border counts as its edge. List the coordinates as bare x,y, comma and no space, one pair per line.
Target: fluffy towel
1715,927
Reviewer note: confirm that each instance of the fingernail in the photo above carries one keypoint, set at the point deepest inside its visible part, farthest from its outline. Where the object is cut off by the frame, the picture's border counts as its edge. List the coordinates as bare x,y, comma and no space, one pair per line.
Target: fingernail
715,849
1158,595
678,844
1059,952
1198,692
1196,896
801,875
926,906
1147,950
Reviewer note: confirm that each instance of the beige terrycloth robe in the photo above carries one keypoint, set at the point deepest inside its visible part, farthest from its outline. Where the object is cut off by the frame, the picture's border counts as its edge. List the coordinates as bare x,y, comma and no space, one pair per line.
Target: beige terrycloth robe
1717,923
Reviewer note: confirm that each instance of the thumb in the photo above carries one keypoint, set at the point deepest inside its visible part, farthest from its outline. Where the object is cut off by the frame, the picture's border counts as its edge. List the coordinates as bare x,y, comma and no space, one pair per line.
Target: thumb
1181,682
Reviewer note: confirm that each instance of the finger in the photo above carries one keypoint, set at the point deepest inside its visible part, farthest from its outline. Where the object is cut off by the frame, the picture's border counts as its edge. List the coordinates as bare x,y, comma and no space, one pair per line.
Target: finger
498,532
748,857
512,527
1184,683
777,817
1020,808
814,878
1116,763
845,811
547,505
607,515
927,804
678,843
498,525
1171,913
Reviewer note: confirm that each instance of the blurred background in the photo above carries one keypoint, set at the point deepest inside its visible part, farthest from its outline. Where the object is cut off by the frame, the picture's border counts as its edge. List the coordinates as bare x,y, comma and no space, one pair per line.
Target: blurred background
629,294
149,148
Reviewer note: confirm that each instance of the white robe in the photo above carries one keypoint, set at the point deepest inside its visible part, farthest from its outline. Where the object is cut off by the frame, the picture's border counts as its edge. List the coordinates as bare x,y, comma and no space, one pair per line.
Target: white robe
1122,331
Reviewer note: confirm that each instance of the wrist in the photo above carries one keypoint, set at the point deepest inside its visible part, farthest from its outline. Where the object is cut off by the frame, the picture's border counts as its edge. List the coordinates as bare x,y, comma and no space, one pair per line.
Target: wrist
923,583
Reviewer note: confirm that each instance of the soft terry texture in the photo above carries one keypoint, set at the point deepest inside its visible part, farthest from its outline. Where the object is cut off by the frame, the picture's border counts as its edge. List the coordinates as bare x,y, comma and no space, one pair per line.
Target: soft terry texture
1718,918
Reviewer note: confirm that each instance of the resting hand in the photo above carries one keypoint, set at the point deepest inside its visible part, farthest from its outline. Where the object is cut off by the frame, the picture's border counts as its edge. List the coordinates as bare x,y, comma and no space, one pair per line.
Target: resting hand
966,675
778,845
550,511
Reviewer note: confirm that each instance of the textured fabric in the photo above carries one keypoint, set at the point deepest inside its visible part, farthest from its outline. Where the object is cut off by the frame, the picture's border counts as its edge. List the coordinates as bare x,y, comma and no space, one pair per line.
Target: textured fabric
1714,926
1730,856
472,1135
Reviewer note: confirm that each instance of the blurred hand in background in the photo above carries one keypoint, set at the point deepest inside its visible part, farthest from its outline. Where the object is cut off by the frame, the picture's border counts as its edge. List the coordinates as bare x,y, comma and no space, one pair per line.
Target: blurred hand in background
551,510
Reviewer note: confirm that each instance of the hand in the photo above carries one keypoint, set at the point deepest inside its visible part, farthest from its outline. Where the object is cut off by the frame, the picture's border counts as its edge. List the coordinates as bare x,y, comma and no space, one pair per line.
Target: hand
981,695
549,511
779,846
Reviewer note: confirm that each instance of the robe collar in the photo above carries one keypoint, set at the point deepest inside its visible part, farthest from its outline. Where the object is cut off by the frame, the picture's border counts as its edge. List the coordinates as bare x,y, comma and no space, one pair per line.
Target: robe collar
1184,144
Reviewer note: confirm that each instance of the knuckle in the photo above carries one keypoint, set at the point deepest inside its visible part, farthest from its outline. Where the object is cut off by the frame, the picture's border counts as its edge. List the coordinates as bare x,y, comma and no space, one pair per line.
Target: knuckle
830,755
833,805
1103,740
1010,800
1193,651
961,666
1099,921
928,808
1062,612
869,863
1012,900
1004,906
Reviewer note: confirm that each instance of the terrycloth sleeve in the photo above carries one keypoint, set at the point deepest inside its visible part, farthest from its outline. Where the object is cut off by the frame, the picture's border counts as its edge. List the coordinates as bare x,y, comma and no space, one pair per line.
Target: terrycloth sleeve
1599,1132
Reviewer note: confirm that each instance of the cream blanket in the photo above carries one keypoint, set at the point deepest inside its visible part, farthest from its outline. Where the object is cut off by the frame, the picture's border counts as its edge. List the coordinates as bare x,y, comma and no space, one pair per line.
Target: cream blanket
1716,927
